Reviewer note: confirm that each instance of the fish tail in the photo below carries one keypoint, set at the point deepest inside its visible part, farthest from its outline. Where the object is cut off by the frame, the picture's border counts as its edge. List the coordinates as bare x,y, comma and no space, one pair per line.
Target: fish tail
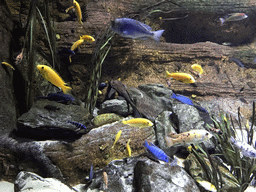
232,139
66,89
174,96
169,141
157,35
145,144
124,122
167,74
222,21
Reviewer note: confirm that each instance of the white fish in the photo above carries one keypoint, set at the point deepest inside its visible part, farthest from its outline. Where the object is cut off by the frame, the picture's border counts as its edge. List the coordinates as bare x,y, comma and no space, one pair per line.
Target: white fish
186,138
246,149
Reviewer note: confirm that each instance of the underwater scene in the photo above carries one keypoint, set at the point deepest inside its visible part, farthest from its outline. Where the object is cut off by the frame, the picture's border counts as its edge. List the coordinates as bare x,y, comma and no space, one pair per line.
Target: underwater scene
128,96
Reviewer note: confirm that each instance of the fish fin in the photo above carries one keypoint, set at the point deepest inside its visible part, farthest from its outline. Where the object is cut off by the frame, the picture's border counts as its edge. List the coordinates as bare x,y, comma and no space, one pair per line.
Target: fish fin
111,92
222,21
167,74
173,96
232,139
66,89
148,28
145,144
157,35
168,141
201,109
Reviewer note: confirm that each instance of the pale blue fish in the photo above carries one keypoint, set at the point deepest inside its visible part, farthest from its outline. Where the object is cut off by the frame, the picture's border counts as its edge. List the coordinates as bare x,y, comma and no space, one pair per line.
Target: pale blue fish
246,149
130,28
157,152
91,173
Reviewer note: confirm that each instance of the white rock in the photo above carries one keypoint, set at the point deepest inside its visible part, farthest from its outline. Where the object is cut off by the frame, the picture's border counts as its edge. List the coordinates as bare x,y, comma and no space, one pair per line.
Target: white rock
6,186
31,182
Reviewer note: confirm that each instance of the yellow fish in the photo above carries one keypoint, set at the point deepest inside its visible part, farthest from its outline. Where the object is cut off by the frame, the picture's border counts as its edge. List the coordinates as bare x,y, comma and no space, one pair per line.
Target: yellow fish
76,44
67,10
197,68
184,77
9,65
117,137
247,125
129,148
207,185
186,138
138,122
87,38
50,75
78,11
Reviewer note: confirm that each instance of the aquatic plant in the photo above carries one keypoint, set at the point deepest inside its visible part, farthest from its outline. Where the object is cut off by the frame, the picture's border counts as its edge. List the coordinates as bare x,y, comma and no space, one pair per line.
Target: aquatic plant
227,163
103,45
32,29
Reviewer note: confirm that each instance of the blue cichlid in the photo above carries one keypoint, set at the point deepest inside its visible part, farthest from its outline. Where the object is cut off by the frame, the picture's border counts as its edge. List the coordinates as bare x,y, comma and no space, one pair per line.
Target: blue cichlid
102,85
59,97
157,152
78,125
238,62
91,173
65,51
182,99
186,100
130,28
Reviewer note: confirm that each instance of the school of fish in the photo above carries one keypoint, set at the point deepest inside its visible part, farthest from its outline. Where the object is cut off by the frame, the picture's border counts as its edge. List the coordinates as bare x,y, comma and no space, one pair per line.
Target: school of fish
134,29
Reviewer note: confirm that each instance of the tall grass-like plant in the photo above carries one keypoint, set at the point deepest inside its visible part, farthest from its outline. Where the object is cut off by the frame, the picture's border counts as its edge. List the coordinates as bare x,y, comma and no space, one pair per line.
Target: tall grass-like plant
34,18
228,156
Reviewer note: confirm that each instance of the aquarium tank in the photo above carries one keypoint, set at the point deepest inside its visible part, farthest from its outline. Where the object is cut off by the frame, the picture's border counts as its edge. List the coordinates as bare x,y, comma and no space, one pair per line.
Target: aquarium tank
127,96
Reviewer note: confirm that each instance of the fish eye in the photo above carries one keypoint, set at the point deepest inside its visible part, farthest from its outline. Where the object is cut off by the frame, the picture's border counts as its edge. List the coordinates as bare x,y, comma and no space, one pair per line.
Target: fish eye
207,133
42,67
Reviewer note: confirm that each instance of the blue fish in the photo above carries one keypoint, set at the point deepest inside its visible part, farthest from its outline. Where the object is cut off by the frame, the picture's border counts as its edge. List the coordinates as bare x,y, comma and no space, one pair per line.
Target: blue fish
157,152
238,62
91,173
102,85
78,125
66,51
59,97
182,99
186,100
130,28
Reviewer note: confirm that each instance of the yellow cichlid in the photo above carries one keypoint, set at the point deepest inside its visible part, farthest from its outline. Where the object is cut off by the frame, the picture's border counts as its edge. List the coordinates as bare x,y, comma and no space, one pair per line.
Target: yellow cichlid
76,44
78,11
87,38
184,77
9,65
247,125
67,10
207,185
50,75
117,137
138,122
197,68
129,151
186,138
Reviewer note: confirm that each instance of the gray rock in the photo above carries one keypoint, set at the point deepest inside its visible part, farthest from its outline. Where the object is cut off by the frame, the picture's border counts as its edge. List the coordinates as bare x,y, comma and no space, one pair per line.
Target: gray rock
187,118
163,126
52,122
6,186
27,181
7,101
116,106
152,176
148,107
74,159
159,93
